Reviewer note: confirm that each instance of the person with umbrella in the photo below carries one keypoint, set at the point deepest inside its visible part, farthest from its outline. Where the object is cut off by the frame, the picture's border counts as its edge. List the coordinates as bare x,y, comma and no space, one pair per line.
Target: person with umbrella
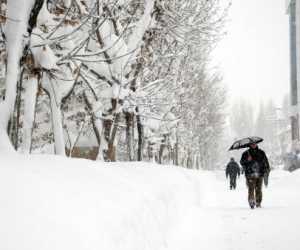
255,166
232,171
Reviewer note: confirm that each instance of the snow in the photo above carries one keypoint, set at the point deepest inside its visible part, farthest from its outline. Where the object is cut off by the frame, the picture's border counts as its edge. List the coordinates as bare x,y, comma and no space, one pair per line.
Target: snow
44,56
44,17
141,27
261,229
67,3
56,203
52,202
15,31
82,8
287,4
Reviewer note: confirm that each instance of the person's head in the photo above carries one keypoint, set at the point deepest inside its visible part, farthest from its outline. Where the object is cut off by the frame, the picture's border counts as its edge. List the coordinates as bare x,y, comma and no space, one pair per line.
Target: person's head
253,145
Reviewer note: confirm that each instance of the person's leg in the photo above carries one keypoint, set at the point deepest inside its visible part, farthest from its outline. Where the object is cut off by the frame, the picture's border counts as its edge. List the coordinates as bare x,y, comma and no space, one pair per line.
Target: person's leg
234,182
251,187
258,191
231,182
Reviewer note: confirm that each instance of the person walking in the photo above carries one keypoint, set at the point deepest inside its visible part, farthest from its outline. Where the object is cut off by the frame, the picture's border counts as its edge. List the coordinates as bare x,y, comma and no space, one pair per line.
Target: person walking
232,171
255,166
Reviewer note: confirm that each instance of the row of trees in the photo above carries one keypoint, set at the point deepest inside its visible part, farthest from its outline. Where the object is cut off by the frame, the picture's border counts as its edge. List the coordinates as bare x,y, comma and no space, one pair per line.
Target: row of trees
129,77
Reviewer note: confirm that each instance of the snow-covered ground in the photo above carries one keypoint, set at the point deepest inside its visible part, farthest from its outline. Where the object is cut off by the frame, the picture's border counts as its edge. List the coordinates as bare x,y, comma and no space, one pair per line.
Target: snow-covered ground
55,203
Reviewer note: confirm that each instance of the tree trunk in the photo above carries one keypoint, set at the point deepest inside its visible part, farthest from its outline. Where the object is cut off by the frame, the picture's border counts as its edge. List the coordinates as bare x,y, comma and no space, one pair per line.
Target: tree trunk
97,125
15,49
15,119
176,153
111,149
140,130
57,126
129,136
110,128
161,149
31,88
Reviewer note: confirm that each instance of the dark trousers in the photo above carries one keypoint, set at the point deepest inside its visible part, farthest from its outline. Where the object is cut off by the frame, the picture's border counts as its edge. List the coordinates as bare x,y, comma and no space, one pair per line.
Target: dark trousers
232,181
254,190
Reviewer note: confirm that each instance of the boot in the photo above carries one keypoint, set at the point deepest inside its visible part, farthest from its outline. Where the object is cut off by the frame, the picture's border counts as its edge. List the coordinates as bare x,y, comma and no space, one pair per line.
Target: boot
252,204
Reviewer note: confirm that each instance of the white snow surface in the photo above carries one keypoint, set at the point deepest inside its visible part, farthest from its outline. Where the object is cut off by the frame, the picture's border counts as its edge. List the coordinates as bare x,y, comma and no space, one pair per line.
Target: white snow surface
52,202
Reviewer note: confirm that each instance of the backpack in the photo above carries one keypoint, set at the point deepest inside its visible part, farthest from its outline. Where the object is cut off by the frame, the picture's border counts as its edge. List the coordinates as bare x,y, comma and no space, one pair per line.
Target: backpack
253,169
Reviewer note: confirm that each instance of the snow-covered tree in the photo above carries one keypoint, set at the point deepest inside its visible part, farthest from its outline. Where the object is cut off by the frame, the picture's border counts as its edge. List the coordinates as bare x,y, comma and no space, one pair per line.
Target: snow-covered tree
124,72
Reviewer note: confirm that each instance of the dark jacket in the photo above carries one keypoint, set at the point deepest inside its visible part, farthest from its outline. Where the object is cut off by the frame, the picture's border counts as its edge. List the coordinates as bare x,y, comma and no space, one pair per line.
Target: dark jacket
259,162
232,169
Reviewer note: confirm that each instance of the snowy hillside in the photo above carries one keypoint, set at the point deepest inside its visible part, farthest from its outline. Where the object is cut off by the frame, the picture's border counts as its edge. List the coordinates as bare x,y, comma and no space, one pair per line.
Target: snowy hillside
55,203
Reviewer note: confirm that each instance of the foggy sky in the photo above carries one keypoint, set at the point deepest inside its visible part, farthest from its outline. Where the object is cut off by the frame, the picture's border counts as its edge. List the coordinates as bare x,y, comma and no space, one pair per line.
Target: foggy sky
254,55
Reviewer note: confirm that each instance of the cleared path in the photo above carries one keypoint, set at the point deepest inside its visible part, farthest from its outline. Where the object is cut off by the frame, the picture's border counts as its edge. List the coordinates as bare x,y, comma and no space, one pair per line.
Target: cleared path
224,221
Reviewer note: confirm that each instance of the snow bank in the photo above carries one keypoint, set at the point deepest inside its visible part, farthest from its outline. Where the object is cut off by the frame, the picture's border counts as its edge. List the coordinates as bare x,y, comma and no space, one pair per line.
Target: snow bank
51,202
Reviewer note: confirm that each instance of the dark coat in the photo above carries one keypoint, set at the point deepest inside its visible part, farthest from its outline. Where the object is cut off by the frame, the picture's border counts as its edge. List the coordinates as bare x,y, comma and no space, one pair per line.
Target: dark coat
232,169
259,161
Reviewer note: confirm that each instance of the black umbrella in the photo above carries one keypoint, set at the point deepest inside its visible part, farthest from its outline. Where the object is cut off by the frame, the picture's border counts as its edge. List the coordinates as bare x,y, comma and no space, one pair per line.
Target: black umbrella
245,142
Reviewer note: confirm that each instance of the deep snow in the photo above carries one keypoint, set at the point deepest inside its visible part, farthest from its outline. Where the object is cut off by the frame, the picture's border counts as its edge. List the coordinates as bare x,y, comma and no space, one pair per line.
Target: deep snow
51,202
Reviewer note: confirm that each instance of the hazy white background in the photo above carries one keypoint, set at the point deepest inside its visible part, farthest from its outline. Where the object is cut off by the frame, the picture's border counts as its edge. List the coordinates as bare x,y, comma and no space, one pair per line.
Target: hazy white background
254,55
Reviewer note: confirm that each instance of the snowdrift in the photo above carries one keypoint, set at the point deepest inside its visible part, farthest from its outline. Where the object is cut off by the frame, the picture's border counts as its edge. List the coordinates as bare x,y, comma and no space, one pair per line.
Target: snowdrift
50,202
